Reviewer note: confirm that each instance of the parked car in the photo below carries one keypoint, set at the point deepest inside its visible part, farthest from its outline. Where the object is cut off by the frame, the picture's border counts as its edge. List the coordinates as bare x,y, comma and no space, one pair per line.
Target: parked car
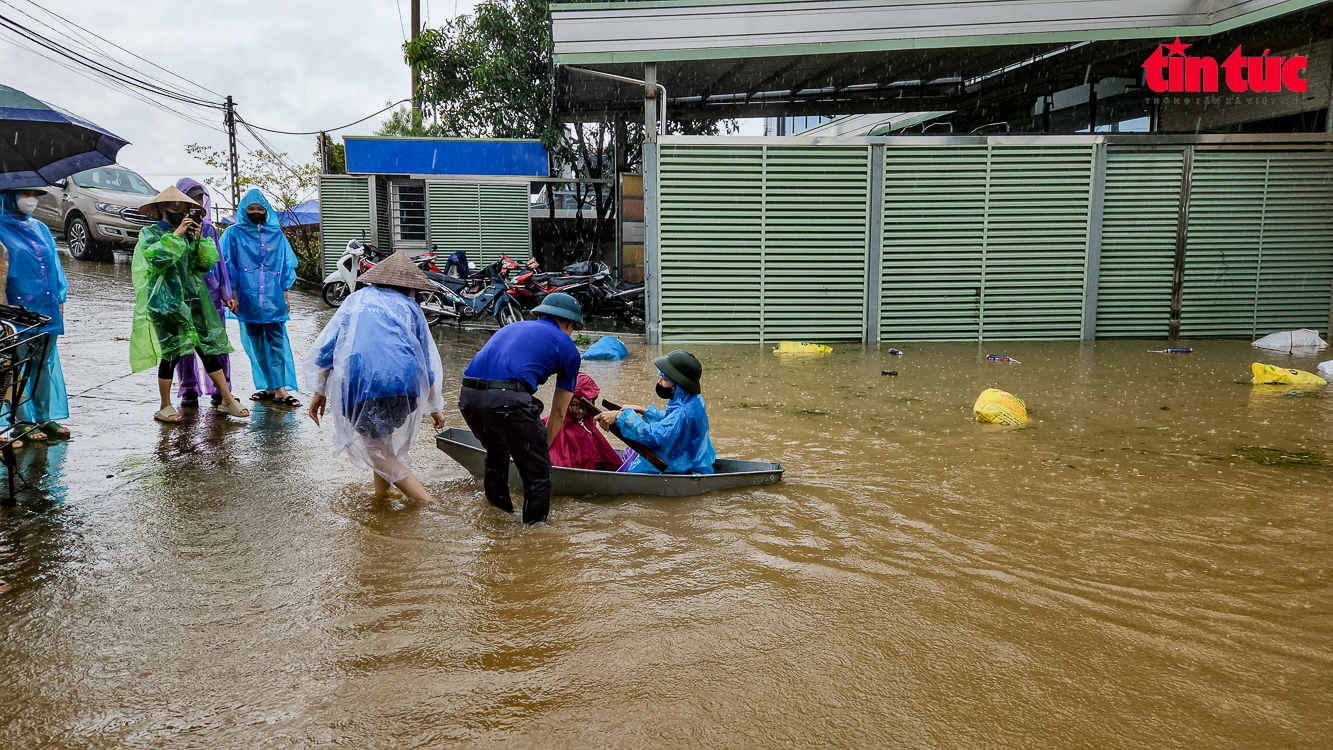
97,210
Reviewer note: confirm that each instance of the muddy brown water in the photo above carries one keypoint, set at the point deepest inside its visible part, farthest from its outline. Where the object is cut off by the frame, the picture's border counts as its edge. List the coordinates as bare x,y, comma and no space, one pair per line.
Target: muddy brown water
1147,564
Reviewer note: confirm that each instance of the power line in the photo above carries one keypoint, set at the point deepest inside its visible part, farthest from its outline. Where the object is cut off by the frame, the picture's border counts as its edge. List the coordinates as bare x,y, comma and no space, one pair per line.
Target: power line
102,69
122,49
330,130
92,49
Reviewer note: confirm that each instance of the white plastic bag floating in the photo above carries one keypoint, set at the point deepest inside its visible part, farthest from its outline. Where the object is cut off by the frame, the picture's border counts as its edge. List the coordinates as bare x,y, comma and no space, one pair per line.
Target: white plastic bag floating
1288,340
1326,368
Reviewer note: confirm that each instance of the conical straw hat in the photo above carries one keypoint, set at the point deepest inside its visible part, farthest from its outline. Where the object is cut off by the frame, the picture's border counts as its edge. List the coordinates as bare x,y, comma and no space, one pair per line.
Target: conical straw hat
153,208
397,270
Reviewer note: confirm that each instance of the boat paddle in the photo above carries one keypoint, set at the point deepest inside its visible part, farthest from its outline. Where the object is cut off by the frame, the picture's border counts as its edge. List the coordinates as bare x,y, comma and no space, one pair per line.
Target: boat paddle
614,429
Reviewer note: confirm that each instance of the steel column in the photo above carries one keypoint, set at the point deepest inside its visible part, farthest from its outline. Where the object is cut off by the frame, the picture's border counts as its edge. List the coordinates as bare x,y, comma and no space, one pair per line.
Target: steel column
1182,238
1092,272
874,244
652,260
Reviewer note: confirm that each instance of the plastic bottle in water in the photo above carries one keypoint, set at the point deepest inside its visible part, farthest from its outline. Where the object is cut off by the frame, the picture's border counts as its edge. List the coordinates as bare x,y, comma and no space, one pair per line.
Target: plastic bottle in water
1001,358
895,352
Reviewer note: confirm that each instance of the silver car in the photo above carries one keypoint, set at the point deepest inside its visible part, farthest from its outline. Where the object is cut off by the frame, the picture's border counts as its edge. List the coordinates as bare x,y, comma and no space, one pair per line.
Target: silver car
97,211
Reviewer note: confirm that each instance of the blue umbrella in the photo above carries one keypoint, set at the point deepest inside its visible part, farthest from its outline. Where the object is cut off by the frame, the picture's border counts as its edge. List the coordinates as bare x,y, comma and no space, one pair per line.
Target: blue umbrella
40,144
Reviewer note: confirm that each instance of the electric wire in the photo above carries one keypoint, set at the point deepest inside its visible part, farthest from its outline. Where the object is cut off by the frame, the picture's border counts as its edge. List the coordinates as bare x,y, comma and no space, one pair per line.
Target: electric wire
331,130
102,69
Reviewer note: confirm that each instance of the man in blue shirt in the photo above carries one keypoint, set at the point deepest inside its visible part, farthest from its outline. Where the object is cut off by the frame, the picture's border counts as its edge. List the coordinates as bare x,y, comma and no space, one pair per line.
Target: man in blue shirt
498,405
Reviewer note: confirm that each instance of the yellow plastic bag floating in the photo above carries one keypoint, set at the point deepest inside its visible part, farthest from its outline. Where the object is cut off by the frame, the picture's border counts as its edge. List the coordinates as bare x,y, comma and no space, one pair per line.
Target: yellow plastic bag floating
794,347
1274,375
1000,407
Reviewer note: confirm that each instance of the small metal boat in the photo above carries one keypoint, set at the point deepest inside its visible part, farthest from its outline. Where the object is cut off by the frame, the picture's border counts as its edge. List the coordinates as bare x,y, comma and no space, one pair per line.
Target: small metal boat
463,447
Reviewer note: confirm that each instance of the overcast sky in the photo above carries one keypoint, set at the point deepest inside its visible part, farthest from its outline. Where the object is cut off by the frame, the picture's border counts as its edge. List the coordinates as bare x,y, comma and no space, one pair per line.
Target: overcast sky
290,64
296,65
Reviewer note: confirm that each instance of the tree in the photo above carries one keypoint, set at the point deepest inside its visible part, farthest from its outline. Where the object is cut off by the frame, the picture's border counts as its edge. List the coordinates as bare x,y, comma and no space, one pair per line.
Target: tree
287,185
337,156
490,75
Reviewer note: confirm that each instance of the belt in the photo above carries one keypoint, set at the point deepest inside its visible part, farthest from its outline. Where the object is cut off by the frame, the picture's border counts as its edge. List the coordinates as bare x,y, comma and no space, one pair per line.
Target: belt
482,384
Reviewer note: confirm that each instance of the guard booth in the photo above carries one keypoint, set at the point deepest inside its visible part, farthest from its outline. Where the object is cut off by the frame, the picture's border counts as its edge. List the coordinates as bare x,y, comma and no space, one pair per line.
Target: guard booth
414,194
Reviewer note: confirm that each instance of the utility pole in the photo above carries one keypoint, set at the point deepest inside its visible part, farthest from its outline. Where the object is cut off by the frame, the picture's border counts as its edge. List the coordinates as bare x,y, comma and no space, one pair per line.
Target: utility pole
323,153
231,145
416,72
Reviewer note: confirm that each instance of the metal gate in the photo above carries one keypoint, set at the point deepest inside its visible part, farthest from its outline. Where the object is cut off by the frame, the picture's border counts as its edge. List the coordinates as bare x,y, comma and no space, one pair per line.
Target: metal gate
996,237
761,243
344,215
482,220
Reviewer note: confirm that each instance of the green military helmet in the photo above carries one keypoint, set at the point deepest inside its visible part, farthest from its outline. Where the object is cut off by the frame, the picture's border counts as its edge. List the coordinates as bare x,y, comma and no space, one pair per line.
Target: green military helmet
681,368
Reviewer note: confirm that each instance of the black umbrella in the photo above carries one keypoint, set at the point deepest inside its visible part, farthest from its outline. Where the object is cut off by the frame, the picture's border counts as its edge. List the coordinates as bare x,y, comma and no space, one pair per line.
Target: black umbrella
39,144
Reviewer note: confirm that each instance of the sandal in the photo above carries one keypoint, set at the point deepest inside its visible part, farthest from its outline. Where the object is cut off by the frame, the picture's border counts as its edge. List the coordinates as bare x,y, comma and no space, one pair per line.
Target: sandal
234,409
289,401
190,402
261,396
166,414
217,399
56,430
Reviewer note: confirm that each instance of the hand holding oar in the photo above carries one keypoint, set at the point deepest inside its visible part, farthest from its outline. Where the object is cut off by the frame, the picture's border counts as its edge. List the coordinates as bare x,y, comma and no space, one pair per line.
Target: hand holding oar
607,421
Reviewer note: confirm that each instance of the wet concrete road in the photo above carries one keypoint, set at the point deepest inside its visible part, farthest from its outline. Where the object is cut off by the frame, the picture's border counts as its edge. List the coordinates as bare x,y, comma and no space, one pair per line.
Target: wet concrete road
1147,565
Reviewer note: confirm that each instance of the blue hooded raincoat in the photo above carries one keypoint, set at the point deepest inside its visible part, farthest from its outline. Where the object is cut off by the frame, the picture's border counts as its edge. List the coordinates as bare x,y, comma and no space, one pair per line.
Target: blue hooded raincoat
678,435
36,281
262,265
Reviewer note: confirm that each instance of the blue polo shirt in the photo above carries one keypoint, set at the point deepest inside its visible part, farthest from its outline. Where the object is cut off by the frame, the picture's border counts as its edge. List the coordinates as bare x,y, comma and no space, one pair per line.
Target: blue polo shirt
528,351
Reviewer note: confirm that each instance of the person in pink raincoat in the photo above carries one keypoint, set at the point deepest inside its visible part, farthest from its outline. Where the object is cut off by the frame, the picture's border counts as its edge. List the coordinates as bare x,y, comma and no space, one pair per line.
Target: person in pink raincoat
579,444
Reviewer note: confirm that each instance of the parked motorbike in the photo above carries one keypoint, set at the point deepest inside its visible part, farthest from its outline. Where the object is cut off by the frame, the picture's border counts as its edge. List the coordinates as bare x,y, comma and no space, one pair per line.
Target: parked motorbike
355,260
468,299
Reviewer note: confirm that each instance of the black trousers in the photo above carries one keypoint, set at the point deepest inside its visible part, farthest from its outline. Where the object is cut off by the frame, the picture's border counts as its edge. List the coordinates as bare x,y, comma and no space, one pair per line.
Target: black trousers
509,425
166,368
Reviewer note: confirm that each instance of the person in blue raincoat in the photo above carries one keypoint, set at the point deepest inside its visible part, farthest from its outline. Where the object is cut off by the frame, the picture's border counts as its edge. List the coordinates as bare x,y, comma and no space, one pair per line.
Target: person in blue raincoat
262,267
35,280
679,435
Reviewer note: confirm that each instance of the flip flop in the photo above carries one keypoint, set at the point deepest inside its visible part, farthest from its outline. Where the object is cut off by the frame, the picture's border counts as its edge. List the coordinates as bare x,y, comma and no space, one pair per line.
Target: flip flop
234,409
56,430
165,415
261,396
289,401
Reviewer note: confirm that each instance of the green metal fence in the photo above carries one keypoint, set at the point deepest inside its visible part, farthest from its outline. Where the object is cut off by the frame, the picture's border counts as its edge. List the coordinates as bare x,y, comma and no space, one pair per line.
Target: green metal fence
762,243
984,237
1140,215
344,215
1259,256
482,220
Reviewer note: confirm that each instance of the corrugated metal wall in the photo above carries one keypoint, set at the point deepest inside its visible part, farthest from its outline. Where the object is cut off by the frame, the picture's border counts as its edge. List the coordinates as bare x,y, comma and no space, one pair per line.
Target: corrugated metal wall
986,240
1259,255
481,220
344,215
1139,220
761,243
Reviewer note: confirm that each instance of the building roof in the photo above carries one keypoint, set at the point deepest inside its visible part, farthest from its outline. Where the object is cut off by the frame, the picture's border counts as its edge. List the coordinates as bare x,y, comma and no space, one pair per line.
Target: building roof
727,58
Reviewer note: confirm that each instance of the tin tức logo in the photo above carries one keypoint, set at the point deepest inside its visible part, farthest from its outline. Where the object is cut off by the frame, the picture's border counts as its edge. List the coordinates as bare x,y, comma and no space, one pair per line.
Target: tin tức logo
1175,71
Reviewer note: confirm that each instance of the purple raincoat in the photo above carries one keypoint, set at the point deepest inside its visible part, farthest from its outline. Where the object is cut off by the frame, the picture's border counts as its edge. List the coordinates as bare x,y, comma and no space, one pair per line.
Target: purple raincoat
218,283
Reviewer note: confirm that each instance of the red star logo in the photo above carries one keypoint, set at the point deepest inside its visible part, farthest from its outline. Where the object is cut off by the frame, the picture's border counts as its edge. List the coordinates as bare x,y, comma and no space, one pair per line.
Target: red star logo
1177,48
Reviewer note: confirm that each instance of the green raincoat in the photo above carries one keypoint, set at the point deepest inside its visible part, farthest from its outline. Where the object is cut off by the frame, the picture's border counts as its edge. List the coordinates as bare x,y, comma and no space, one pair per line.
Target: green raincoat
173,313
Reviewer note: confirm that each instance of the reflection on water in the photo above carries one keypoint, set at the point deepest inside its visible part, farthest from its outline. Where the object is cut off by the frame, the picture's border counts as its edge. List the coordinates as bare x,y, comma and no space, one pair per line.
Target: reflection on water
1147,563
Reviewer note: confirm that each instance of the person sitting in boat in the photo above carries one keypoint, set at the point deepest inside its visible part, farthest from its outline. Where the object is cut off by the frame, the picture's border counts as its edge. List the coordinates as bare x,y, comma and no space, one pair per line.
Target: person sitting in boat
579,445
678,435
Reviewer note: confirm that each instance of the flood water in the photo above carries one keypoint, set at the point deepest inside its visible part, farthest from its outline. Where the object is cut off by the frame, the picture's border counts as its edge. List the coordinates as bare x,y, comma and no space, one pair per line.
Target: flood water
1149,563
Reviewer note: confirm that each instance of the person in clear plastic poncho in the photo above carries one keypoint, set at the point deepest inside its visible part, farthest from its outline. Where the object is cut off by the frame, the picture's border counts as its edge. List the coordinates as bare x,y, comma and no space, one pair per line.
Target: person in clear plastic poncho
262,267
173,313
35,280
378,371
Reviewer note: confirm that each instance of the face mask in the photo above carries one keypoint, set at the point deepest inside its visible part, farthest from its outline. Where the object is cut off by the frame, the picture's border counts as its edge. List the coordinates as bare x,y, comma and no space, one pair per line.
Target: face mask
174,218
258,217
27,205
665,392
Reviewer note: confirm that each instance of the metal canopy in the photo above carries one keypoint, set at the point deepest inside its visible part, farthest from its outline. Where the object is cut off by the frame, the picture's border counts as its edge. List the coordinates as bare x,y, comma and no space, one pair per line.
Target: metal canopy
733,58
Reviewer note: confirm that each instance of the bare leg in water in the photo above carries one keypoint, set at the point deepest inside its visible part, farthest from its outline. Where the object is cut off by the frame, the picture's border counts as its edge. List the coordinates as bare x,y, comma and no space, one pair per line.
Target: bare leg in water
410,485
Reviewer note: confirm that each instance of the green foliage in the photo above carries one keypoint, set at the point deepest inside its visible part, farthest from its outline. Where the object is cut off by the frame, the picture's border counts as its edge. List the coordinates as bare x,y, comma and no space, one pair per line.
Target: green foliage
337,156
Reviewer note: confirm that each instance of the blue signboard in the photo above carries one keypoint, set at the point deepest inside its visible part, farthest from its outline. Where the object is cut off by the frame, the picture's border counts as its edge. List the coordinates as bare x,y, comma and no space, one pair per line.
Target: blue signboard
445,156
